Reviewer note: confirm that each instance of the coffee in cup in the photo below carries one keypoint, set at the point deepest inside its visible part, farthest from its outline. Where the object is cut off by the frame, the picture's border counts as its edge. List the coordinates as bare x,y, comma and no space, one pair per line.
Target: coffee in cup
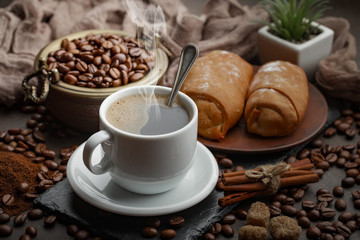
140,154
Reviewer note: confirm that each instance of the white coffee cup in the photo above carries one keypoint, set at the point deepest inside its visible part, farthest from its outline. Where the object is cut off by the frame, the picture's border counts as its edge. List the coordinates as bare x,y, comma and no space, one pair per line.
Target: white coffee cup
145,164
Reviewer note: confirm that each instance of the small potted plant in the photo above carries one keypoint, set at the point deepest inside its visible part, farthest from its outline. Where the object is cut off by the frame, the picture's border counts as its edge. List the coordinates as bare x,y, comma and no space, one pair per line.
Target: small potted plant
293,35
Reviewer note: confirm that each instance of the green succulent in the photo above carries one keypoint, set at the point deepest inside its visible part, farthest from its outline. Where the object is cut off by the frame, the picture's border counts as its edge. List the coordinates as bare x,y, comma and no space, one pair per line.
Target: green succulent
292,21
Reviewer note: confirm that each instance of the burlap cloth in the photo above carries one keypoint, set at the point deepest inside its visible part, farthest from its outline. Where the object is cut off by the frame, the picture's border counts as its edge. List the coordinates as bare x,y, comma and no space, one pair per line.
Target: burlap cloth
26,26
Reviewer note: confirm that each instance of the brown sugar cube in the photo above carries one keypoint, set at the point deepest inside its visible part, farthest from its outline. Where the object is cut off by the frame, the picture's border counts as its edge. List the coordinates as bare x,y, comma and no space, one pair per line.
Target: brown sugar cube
284,228
258,215
249,232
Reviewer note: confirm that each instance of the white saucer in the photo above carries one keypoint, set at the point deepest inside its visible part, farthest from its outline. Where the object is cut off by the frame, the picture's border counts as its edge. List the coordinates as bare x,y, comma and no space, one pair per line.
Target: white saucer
100,191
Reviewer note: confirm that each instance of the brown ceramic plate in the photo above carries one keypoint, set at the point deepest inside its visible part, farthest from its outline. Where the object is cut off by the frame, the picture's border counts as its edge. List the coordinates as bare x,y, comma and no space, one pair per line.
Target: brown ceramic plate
238,140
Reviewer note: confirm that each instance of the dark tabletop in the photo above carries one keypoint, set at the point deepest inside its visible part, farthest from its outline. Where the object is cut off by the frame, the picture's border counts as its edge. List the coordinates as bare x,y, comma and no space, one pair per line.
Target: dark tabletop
349,9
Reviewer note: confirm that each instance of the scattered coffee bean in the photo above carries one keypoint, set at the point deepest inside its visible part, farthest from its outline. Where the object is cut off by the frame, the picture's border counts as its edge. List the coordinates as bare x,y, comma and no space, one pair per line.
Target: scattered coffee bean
49,221
340,162
345,217
314,215
298,194
5,230
308,205
325,197
72,229
321,205
338,191
23,187
329,132
24,237
229,219
167,234
324,224
209,236
31,231
348,182
82,235
35,213
352,173
350,133
340,204
301,213
304,222
241,214
344,231
288,210
149,232
8,200
216,229
20,219
226,163
280,197
322,191
313,232
327,213
319,172
177,221
274,211
351,165
227,230
357,203
339,237
4,218
316,143
326,236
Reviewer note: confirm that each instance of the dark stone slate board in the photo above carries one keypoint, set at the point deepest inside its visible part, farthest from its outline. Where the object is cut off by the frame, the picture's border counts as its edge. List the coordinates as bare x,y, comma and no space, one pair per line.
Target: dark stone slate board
198,219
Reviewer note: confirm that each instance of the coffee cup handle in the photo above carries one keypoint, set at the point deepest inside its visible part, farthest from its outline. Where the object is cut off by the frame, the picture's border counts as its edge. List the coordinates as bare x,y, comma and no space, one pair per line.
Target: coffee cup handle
90,145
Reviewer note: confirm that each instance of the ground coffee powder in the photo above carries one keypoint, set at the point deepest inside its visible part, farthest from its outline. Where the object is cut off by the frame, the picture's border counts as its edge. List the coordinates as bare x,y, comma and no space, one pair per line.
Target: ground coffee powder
14,170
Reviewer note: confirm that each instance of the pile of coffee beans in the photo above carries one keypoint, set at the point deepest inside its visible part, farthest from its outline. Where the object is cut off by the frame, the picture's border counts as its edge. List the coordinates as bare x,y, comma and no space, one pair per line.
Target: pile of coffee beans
154,223
100,61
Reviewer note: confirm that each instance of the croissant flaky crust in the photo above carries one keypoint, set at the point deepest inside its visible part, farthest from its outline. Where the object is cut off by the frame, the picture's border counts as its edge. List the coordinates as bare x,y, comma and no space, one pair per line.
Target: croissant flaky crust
218,83
277,99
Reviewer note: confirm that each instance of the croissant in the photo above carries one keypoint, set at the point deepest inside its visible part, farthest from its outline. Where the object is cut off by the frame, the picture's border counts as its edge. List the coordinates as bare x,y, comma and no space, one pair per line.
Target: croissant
277,99
218,83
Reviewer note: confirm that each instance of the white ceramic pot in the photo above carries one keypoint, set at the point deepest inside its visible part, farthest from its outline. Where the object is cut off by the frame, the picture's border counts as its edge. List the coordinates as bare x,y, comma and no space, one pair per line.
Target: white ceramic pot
307,55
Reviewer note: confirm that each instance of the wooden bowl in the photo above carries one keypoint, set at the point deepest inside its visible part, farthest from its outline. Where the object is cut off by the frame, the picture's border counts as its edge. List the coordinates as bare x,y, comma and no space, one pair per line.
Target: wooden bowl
78,107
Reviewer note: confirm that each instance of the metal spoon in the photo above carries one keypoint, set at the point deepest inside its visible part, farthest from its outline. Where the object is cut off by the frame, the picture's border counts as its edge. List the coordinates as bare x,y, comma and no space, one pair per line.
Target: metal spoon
188,56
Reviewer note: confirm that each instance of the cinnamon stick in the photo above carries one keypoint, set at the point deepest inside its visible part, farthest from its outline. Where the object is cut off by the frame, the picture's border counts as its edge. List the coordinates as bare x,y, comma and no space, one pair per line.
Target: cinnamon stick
303,167
296,164
236,197
292,173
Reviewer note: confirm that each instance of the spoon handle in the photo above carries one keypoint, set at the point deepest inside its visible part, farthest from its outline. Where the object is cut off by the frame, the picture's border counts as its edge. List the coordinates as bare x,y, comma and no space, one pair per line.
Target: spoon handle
188,56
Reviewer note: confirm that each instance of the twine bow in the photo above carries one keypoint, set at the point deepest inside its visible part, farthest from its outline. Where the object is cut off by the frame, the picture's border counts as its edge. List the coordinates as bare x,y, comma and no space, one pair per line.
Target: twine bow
269,175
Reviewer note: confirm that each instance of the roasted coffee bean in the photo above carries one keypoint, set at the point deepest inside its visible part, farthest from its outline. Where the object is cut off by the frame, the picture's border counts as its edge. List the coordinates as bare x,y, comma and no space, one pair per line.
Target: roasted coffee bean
4,218
322,225
31,231
329,132
350,133
5,230
8,200
238,168
149,232
301,213
338,191
52,165
304,222
23,187
177,221
322,191
316,143
313,232
339,237
345,154
324,165
167,234
344,231
351,225
319,172
345,217
317,158
308,205
241,214
49,221
24,237
342,127
72,229
357,179
31,196
314,215
216,229
340,162
31,123
40,148
226,163
325,197
298,194
229,219
28,108
353,172
153,222
227,230
340,204
327,213
35,213
357,203
348,182
326,236
209,236
331,158
303,153
355,194
288,210
20,219
57,176
82,235
274,211
280,197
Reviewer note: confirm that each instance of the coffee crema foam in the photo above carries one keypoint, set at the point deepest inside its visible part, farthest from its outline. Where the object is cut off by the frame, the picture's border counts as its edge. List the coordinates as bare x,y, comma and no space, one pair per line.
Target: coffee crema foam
131,114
